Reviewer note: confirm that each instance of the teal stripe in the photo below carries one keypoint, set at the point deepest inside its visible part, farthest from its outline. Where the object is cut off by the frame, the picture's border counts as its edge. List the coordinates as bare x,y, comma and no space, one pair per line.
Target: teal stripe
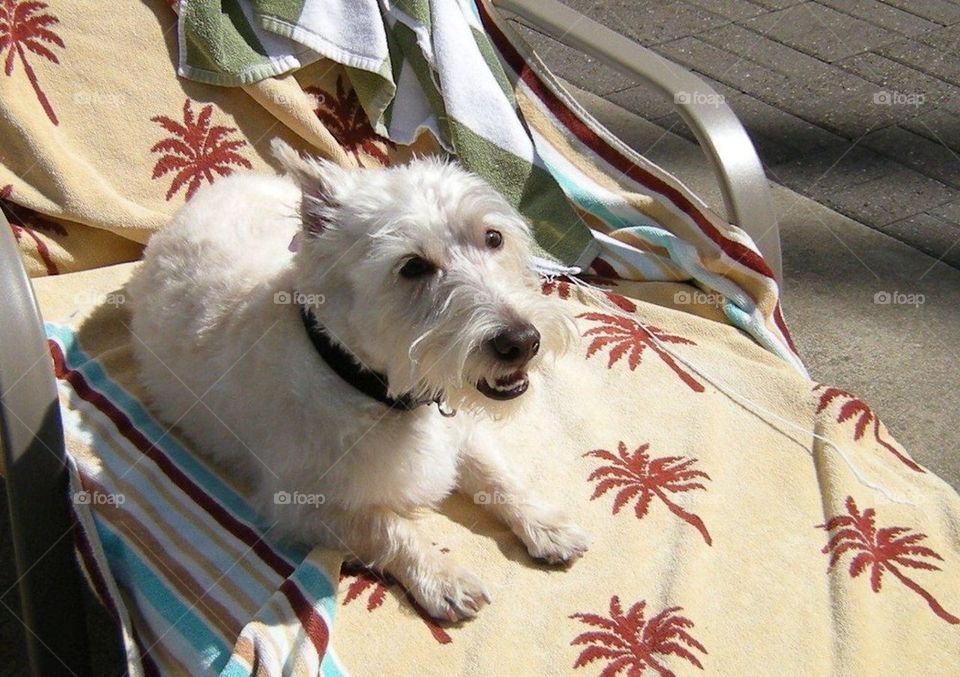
472,6
145,493
315,583
141,580
329,667
588,201
233,668
147,425
751,324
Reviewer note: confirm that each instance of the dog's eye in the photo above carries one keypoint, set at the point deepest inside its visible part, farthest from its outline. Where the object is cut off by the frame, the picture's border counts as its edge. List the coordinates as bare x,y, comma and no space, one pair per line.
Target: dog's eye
494,239
417,267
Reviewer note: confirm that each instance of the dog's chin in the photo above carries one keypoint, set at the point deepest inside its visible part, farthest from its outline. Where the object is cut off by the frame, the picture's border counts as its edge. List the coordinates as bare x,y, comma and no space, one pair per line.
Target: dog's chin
503,388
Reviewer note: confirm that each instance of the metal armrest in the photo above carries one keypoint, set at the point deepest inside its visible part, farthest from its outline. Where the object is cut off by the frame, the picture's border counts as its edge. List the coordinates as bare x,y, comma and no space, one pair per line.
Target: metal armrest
743,184
31,437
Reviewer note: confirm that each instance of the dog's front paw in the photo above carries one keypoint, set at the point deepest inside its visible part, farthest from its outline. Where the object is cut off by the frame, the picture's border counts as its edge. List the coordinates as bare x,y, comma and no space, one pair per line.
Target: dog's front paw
451,594
554,541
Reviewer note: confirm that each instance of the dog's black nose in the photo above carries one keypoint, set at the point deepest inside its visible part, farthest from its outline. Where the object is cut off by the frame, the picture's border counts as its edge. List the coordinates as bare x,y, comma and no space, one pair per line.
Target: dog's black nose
518,343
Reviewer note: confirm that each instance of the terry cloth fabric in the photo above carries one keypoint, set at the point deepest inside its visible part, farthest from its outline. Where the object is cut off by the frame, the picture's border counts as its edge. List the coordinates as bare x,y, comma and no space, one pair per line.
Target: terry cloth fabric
745,521
80,193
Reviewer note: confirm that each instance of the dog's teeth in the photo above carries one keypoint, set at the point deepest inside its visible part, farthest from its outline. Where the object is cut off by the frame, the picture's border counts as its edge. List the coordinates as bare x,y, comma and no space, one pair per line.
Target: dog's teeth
506,387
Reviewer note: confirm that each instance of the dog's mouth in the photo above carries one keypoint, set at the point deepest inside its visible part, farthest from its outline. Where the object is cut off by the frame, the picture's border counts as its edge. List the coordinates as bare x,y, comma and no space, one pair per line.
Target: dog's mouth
505,387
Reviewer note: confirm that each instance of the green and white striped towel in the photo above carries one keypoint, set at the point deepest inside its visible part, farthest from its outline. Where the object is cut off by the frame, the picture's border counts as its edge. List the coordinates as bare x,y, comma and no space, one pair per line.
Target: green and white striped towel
416,65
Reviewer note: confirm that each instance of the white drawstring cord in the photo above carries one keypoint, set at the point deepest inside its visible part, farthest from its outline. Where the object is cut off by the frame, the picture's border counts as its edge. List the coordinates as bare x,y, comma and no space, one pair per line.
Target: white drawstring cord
750,405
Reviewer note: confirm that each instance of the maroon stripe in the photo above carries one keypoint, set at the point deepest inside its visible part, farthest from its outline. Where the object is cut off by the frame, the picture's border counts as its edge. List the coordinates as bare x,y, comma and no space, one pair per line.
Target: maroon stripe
150,667
782,326
129,431
735,250
604,269
89,561
311,621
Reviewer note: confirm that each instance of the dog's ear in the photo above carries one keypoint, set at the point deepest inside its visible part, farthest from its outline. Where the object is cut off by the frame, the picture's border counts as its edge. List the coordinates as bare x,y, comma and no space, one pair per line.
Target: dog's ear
316,178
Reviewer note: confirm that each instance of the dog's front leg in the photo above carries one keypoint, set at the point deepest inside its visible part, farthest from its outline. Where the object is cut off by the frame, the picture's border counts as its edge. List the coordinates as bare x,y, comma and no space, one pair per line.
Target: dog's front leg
384,540
547,533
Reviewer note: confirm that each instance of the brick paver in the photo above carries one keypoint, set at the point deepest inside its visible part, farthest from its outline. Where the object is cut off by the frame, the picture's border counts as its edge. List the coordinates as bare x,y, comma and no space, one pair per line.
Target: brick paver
855,103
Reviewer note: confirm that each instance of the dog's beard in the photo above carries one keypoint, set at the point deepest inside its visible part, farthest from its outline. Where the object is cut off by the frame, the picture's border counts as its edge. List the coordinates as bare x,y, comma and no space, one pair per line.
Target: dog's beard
450,359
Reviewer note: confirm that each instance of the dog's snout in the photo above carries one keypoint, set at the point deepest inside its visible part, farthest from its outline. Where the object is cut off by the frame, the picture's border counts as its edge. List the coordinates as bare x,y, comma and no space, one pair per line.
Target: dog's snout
516,344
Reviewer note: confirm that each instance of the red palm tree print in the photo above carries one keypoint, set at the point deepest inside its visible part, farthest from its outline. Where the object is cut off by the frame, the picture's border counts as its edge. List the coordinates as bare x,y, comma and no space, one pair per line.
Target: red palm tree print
196,150
562,289
638,477
627,338
365,579
345,119
882,550
855,408
18,224
631,643
23,26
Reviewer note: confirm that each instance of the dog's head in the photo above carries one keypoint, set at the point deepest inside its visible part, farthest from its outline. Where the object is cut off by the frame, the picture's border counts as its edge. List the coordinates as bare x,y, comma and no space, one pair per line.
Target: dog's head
425,274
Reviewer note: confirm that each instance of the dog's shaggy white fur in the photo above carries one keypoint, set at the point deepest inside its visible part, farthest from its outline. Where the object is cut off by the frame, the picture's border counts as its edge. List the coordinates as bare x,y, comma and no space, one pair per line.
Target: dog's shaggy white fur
422,273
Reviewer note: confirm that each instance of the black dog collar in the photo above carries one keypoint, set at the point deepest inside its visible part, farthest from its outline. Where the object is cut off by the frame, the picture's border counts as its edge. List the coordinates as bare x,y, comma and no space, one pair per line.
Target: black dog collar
370,383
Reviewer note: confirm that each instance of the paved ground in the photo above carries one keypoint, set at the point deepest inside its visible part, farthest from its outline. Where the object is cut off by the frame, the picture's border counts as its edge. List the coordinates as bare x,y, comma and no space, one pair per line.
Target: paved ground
854,103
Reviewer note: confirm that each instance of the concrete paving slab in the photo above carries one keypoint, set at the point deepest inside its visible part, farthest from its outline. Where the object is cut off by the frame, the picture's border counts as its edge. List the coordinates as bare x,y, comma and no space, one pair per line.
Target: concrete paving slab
777,4
644,101
930,234
883,15
778,136
912,87
894,196
568,63
836,168
949,211
653,22
938,125
786,60
837,101
937,60
727,67
821,31
735,10
930,158
944,12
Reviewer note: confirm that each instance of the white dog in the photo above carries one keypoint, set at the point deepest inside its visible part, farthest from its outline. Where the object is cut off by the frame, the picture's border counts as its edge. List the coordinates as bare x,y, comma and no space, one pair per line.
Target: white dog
327,377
